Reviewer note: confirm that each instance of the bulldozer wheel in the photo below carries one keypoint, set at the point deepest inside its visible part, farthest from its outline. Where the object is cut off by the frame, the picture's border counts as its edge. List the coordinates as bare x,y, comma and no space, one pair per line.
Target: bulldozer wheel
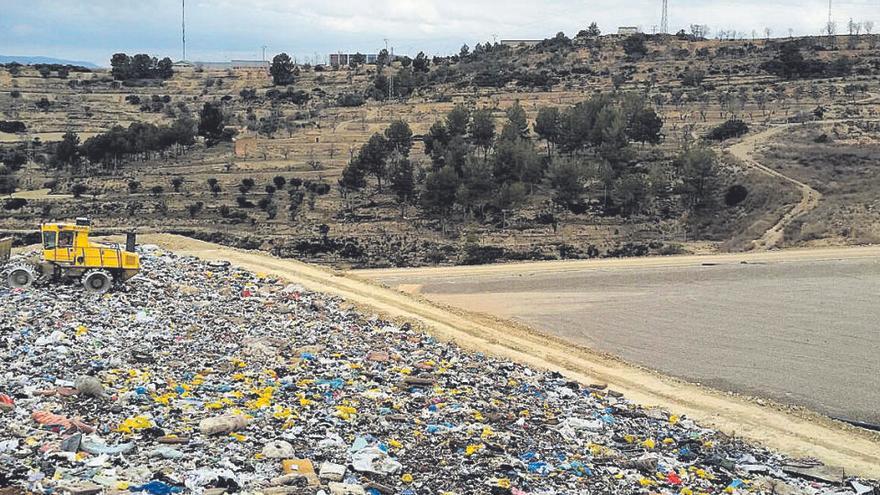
97,281
21,277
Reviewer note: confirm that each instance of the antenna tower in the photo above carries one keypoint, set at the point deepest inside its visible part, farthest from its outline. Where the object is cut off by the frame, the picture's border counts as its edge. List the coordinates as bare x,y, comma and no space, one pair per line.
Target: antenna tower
664,21
183,26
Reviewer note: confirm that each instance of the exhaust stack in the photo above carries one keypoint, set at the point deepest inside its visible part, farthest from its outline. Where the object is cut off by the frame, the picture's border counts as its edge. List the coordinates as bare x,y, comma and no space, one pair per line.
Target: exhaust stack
130,241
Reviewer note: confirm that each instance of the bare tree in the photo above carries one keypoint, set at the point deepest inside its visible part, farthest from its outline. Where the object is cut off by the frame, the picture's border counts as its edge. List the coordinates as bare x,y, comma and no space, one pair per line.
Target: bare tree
699,30
869,28
767,33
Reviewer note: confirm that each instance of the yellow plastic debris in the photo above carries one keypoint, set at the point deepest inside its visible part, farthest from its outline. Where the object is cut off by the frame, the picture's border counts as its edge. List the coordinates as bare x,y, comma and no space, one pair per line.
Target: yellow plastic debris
487,433
131,425
473,449
345,412
406,478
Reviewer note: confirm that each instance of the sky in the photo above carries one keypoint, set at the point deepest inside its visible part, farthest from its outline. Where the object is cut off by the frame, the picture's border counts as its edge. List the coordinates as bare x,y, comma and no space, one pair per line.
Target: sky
221,30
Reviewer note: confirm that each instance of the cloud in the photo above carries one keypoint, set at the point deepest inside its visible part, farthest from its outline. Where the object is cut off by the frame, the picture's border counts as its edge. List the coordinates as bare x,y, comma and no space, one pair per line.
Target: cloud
221,29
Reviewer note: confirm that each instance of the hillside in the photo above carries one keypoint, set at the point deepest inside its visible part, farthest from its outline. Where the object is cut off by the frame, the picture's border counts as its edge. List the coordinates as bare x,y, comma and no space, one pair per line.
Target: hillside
575,196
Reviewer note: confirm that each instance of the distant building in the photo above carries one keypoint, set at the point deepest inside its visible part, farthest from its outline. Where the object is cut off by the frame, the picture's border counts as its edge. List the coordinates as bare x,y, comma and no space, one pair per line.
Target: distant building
520,43
249,64
345,58
627,30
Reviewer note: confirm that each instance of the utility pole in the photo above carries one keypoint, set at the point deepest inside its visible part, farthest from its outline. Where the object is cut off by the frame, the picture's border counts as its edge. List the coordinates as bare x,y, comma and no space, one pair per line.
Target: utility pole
830,16
183,26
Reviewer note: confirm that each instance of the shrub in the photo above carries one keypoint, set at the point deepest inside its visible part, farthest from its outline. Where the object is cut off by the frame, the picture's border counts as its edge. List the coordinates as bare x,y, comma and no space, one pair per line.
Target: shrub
735,195
350,100
730,129
12,127
14,204
78,190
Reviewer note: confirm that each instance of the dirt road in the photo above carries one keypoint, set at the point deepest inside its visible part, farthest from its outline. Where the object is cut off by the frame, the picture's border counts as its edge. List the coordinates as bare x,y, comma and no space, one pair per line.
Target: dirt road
798,434
800,330
809,197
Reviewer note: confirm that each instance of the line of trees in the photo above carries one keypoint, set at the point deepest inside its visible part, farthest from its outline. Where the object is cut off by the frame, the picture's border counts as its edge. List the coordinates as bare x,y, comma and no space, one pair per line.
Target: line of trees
140,66
137,141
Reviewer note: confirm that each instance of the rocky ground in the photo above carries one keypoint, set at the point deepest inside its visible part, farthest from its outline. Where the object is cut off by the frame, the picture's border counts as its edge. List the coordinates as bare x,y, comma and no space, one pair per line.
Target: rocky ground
198,377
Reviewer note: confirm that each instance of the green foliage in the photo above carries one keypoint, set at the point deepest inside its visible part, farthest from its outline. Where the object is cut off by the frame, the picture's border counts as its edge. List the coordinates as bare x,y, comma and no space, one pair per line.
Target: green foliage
138,139
350,100
67,151
730,129
698,168
421,63
140,66
12,127
372,156
353,178
693,77
790,63
566,178
630,192
78,190
399,136
211,122
517,123
439,192
457,121
547,126
634,46
401,180
195,208
514,160
477,185
482,129
14,204
296,97
645,126
282,70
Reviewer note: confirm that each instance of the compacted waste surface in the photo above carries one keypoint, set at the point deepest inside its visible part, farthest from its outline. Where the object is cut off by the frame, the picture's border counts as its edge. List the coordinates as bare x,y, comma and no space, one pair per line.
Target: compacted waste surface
200,377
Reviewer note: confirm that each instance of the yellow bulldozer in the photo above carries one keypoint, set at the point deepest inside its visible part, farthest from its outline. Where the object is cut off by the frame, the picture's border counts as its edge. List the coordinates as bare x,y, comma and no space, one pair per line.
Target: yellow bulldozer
67,254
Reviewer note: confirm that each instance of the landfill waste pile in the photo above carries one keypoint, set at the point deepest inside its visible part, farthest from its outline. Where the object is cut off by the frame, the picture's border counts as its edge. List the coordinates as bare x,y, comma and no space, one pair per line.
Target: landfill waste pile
200,377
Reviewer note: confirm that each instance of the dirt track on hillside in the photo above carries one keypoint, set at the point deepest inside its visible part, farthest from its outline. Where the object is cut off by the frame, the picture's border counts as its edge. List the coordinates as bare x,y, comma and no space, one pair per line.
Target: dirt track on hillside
795,433
809,197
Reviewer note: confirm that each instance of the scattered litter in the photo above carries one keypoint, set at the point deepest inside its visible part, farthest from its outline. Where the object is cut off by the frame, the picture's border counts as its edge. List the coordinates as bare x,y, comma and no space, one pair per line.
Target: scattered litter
201,377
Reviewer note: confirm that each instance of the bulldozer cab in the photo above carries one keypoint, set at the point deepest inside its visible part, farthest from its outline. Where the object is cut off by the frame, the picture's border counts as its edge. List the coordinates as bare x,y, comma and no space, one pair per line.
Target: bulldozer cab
68,245
62,243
